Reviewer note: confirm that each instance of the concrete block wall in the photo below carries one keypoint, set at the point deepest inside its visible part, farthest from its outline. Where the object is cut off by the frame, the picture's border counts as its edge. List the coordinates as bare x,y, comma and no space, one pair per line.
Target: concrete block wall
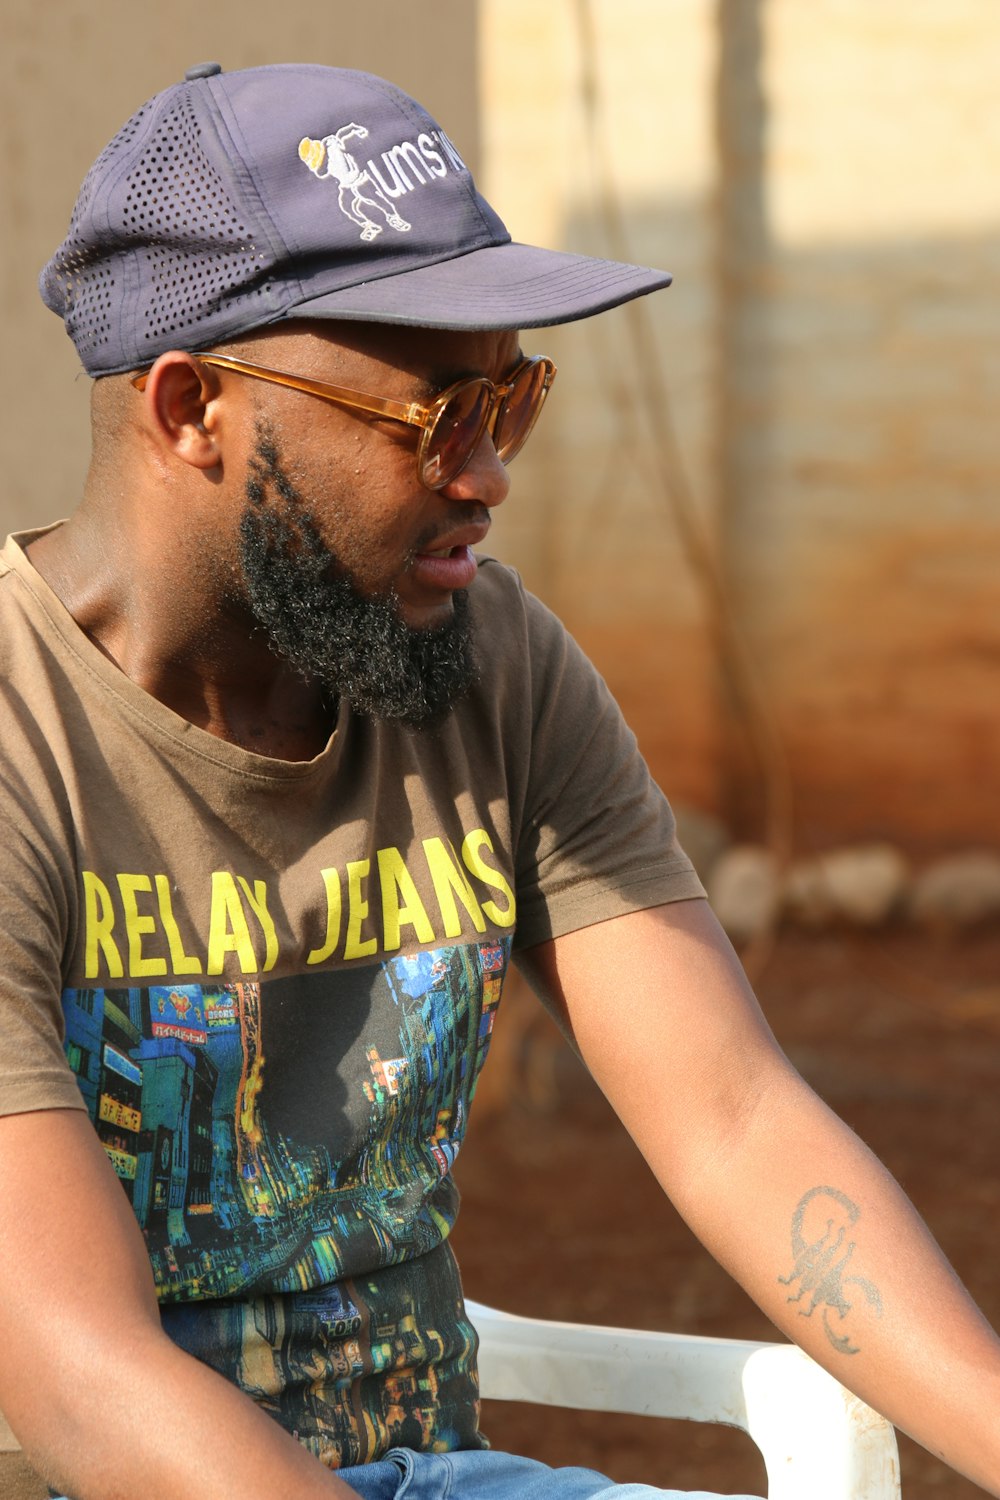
590,522
822,179
864,539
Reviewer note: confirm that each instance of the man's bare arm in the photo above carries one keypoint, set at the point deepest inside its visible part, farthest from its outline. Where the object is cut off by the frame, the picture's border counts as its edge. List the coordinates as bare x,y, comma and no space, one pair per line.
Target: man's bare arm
776,1186
88,1381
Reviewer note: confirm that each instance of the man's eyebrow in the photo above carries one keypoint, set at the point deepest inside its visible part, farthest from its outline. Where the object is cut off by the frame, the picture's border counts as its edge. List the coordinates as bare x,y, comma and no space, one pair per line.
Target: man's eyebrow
426,388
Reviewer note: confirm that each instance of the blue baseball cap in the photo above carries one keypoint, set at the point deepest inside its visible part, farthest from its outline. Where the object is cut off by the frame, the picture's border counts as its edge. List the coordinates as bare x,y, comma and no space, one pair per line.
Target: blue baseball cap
232,201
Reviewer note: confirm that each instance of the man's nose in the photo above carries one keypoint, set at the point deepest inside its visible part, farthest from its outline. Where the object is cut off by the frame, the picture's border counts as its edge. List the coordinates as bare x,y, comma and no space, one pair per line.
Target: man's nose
484,480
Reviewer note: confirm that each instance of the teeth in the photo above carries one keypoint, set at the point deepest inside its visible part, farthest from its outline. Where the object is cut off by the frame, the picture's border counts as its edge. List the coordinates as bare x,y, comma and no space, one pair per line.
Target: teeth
441,552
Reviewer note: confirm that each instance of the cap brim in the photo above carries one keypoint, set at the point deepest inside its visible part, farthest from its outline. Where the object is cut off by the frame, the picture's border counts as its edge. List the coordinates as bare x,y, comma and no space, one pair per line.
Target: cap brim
498,286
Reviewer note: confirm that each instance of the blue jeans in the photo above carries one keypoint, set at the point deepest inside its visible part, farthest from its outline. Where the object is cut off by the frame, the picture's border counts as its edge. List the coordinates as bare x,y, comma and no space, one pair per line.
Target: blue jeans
486,1475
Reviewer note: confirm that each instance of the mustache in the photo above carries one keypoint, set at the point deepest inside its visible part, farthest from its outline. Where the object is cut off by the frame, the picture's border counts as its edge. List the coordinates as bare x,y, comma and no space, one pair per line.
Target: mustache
471,514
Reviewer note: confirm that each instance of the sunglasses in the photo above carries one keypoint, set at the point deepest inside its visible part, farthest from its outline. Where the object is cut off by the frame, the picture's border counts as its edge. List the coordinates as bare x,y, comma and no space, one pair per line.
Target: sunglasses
452,424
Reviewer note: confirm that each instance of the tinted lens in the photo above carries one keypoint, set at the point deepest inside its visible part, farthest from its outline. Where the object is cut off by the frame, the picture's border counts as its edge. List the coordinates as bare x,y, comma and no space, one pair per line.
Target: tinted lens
452,440
520,408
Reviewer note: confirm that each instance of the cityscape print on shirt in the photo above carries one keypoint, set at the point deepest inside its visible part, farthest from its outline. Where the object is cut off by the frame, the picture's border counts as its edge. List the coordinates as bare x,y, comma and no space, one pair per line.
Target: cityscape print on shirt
287,1150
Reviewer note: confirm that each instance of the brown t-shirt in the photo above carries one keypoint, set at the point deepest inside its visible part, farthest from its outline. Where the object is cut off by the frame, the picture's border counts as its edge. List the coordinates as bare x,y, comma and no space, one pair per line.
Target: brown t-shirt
272,984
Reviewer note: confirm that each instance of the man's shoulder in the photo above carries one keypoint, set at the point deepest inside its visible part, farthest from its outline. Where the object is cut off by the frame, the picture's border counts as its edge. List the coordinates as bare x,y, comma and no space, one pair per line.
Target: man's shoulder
9,555
501,601
495,582
529,665
24,614
16,598
520,637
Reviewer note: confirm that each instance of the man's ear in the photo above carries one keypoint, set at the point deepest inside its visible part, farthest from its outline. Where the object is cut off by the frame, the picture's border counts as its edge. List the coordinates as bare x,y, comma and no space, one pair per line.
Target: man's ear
180,395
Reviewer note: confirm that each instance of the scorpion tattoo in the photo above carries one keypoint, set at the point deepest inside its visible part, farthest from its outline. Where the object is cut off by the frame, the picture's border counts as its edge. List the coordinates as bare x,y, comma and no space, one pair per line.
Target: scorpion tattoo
820,1263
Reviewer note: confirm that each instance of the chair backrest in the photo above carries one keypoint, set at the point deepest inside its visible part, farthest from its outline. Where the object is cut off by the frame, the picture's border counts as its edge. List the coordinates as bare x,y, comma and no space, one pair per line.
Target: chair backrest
818,1441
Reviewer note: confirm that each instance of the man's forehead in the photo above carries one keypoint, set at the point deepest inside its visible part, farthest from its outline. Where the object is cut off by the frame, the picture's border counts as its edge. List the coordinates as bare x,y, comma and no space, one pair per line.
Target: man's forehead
429,354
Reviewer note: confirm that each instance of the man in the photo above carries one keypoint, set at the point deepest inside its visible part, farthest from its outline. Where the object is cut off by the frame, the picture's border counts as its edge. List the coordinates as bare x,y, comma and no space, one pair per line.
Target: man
287,774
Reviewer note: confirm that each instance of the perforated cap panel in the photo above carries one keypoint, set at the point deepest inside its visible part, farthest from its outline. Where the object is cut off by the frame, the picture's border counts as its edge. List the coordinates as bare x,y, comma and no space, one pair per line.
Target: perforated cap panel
197,252
77,283
159,248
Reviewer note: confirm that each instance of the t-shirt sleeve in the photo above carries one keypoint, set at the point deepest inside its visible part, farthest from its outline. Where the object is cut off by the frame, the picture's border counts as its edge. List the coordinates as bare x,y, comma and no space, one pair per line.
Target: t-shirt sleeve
34,922
597,836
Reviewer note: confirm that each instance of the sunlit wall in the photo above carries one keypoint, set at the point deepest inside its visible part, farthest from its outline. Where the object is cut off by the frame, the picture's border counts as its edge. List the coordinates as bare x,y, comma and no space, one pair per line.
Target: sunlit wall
822,179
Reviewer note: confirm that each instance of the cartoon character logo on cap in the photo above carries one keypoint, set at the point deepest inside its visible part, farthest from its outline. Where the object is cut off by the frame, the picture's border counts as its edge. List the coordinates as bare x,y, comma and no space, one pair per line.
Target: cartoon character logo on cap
356,191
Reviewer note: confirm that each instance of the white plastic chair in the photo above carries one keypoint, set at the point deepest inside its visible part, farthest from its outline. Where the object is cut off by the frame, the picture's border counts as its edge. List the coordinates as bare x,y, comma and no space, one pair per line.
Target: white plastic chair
818,1441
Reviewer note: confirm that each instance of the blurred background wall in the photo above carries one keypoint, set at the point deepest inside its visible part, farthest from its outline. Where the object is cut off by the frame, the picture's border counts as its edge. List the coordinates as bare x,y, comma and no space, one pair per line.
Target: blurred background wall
71,74
767,500
822,178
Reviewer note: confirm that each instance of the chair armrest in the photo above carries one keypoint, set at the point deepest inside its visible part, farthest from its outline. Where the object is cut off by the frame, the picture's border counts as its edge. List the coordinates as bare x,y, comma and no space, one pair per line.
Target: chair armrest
818,1441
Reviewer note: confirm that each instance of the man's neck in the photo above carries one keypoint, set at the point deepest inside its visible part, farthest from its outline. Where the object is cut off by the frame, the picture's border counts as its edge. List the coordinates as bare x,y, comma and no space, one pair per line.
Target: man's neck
181,643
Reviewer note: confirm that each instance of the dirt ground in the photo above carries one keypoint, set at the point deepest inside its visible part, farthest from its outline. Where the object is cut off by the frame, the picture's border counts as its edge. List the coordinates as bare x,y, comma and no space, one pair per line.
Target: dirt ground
561,1218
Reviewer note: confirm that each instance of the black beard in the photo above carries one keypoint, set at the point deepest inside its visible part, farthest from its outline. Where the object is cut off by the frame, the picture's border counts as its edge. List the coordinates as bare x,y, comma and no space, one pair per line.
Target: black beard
355,645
